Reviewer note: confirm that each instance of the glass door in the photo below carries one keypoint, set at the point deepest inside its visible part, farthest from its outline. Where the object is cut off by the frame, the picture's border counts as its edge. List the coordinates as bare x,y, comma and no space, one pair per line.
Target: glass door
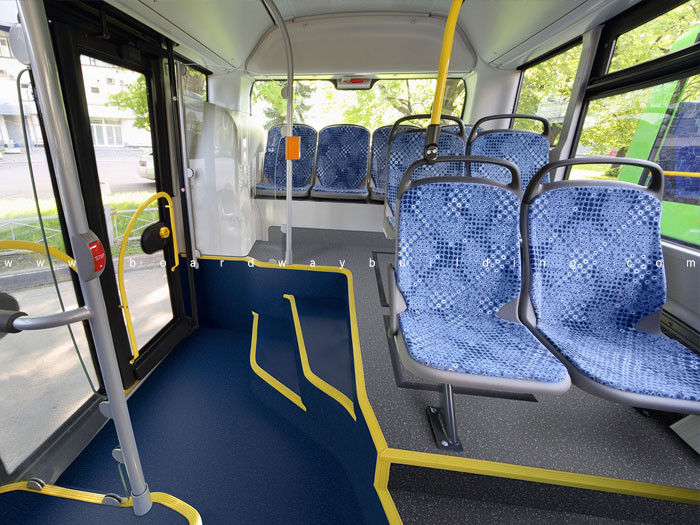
120,122
47,377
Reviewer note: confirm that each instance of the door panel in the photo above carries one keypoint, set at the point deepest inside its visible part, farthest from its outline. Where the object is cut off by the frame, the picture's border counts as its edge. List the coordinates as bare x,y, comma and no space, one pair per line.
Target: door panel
117,103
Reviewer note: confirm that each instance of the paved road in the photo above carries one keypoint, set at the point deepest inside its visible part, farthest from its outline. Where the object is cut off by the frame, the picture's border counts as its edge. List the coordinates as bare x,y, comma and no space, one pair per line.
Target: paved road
117,167
41,381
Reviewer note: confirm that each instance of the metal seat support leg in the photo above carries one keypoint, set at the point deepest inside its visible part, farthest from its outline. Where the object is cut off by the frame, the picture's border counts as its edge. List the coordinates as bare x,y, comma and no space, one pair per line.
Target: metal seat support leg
443,421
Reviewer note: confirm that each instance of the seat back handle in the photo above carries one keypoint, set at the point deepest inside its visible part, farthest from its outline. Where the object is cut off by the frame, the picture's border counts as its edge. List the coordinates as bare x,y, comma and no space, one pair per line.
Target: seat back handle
513,185
395,129
475,130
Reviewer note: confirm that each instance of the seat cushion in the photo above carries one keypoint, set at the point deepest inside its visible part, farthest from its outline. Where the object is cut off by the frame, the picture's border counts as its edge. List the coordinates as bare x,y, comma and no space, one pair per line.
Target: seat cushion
629,360
478,345
268,186
360,192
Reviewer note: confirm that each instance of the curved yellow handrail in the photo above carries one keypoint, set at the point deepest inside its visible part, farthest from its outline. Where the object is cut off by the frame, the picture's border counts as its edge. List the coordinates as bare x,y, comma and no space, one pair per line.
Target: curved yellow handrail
39,248
122,254
445,54
173,503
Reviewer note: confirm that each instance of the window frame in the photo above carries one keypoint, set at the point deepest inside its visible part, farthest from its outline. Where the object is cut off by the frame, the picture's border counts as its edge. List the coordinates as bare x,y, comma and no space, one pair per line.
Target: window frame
537,61
668,68
334,83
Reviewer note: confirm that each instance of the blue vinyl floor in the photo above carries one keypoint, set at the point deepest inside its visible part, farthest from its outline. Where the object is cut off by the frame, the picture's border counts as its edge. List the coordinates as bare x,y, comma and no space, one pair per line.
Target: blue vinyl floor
213,434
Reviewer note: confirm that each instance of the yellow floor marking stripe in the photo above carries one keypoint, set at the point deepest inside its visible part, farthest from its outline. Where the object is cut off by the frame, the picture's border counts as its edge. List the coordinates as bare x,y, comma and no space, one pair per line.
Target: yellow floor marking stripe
382,469
542,475
319,383
267,377
387,456
173,503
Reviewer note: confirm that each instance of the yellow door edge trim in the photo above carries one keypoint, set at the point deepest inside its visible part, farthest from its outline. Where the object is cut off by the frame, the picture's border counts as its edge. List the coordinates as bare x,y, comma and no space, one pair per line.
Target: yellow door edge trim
309,374
173,503
266,376
542,475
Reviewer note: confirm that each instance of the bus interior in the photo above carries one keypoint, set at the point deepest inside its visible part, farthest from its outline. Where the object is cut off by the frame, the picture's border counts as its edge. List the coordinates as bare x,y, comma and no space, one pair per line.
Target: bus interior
284,261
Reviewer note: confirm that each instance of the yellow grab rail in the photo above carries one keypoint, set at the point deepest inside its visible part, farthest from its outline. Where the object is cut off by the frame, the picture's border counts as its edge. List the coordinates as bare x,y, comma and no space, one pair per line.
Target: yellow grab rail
39,248
447,40
122,253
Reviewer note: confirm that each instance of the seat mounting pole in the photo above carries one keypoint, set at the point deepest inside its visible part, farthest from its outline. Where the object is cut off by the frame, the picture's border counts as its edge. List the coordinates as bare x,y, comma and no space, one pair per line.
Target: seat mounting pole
50,101
279,20
443,421
433,133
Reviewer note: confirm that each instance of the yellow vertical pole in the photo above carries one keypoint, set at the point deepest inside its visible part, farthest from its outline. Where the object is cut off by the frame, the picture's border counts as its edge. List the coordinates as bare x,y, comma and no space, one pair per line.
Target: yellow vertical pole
447,40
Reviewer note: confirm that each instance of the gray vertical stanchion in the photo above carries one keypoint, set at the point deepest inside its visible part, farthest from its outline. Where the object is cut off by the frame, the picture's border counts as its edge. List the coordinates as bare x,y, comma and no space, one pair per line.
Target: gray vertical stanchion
50,100
290,116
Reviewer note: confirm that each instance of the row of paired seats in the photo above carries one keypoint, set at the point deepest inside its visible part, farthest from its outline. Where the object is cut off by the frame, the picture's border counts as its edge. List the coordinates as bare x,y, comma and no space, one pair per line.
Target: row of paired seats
338,162
528,150
497,292
336,158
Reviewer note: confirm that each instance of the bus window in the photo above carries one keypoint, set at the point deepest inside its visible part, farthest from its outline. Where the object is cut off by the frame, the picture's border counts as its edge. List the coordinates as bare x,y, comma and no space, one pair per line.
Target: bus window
659,123
545,91
319,104
665,34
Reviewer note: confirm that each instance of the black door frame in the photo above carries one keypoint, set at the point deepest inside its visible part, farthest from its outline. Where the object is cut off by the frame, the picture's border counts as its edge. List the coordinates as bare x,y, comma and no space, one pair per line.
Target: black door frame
105,34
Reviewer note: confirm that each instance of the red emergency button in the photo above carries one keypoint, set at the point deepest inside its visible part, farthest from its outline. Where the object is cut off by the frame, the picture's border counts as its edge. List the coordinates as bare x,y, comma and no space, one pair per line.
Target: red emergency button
98,255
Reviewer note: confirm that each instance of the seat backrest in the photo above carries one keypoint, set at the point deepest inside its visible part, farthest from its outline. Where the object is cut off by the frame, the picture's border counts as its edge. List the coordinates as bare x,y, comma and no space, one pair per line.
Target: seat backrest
343,155
592,250
407,147
274,138
595,256
457,246
380,140
302,169
528,150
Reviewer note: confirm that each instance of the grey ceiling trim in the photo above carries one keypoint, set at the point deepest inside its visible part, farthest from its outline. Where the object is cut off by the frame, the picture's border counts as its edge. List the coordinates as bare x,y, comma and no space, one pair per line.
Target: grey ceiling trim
554,22
271,29
188,34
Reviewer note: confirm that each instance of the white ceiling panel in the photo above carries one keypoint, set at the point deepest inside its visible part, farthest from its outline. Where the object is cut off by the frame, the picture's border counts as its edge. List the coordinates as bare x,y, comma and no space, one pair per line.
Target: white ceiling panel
220,32
494,27
350,44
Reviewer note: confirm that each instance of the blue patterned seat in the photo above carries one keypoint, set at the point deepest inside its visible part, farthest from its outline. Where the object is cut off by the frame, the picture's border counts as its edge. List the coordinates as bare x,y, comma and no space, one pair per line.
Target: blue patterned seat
275,164
342,162
596,272
378,171
528,150
457,264
406,148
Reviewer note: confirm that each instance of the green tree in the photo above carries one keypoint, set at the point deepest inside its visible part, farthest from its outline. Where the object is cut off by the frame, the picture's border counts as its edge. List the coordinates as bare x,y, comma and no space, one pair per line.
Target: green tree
267,98
390,100
134,98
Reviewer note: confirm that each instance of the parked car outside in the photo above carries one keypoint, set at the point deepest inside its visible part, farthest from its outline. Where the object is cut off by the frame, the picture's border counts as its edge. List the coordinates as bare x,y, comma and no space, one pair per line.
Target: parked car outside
146,170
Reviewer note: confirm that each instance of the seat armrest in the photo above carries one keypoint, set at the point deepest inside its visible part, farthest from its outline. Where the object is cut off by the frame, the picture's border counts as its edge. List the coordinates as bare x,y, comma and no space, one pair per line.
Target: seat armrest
397,303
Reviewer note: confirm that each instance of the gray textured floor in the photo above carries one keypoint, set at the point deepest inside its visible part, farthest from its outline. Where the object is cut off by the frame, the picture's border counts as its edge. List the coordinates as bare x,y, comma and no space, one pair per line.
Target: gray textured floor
445,510
574,432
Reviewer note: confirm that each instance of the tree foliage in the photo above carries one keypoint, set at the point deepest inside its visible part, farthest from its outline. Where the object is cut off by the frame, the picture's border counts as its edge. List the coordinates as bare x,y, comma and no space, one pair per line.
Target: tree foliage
611,122
320,104
268,96
134,98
